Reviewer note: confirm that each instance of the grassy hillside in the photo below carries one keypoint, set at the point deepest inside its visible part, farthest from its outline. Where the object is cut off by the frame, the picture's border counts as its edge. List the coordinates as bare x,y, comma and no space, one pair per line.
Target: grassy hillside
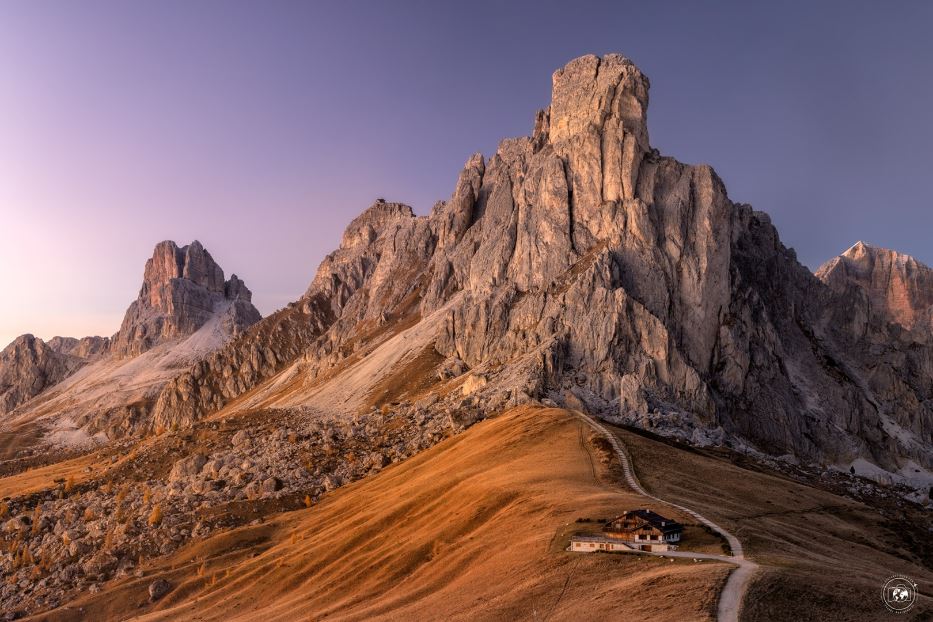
467,530
823,556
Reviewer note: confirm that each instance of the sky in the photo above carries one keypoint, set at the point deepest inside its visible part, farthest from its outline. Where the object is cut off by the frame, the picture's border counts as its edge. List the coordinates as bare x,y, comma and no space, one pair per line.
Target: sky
262,129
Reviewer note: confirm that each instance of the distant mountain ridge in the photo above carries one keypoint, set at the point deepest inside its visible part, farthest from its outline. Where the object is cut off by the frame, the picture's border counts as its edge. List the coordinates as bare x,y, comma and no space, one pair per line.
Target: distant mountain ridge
897,286
30,365
183,292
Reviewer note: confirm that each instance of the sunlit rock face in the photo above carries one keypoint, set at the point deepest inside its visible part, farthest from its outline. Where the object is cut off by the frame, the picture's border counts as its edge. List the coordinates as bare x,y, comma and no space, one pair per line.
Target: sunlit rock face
579,264
29,365
183,288
898,287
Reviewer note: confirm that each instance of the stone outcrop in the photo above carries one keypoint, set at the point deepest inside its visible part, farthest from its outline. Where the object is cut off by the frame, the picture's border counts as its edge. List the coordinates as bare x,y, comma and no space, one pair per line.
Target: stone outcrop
580,265
895,287
30,365
375,251
86,347
183,288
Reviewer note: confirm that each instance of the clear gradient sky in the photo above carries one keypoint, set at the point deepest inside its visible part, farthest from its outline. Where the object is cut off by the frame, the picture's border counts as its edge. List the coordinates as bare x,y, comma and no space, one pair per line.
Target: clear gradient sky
262,128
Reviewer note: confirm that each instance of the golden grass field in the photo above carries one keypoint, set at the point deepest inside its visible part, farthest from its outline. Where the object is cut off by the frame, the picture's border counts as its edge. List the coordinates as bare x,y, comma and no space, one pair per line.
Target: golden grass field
823,556
463,531
474,529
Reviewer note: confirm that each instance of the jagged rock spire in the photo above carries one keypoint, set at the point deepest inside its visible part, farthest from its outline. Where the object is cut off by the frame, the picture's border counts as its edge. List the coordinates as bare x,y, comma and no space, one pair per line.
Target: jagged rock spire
183,288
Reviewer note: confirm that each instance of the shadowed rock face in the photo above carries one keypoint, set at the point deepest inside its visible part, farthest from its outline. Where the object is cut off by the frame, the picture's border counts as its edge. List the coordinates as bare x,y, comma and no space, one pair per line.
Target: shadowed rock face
183,288
580,264
897,287
29,365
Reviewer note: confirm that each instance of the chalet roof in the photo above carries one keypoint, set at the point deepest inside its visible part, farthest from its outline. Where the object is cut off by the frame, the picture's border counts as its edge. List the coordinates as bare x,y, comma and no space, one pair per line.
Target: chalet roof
654,519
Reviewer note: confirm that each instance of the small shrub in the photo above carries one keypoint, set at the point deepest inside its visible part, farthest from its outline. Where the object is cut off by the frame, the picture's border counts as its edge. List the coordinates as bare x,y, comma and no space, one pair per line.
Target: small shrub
307,501
36,515
155,517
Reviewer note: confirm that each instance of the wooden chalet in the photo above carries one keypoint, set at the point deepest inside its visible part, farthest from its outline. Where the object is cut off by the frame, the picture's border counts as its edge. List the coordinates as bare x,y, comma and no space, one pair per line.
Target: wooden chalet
644,526
635,530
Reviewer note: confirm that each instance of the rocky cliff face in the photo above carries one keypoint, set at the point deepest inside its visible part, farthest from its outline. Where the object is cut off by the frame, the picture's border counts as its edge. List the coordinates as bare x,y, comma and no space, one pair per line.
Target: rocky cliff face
86,347
370,256
182,289
579,264
29,365
895,287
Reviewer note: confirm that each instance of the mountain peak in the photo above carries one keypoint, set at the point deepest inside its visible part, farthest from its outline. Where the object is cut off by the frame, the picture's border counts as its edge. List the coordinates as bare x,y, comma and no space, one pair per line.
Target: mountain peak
183,287
191,262
898,287
597,93
364,228
858,248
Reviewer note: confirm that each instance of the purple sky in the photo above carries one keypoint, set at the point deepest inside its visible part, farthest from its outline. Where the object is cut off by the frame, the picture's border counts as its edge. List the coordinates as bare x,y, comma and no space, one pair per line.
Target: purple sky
261,129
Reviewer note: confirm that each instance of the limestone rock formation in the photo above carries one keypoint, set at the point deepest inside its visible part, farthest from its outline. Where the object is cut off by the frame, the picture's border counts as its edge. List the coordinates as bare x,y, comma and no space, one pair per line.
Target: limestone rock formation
29,365
185,311
368,255
183,288
896,287
86,347
582,266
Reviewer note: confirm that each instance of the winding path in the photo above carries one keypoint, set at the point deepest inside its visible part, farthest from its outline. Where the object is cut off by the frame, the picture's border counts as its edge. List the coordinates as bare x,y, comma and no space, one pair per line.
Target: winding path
730,601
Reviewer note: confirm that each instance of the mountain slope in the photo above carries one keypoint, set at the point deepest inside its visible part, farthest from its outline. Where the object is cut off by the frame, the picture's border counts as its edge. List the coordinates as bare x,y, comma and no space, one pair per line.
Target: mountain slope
472,529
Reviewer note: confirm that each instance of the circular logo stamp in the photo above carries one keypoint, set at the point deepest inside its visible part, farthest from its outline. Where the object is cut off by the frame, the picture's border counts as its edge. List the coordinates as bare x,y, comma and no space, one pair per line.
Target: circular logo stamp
899,594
